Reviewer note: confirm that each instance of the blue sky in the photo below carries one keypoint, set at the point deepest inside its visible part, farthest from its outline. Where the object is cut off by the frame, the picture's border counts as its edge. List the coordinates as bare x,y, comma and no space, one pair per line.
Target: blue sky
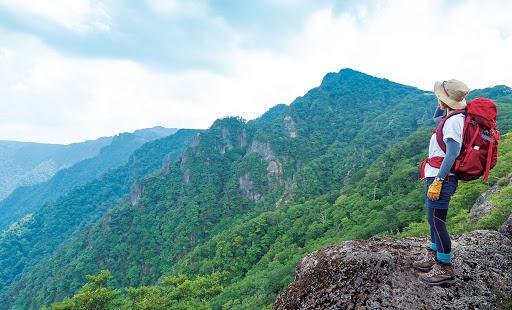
72,70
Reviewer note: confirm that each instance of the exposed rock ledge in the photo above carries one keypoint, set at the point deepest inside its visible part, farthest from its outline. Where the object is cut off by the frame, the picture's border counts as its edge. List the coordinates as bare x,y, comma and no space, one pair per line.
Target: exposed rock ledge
377,274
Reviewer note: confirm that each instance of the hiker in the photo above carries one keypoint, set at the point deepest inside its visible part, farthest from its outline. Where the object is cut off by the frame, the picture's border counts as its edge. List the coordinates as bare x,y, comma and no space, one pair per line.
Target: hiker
441,183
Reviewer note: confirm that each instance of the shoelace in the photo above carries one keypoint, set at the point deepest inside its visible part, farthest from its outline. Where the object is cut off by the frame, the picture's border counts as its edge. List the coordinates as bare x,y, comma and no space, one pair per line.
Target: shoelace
437,270
426,257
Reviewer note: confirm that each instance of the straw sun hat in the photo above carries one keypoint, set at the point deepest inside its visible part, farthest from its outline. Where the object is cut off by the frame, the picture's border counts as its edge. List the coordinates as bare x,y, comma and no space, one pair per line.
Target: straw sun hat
452,92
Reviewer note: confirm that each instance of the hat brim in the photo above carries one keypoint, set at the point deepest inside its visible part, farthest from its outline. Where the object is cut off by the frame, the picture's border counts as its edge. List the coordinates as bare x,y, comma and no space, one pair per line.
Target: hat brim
441,95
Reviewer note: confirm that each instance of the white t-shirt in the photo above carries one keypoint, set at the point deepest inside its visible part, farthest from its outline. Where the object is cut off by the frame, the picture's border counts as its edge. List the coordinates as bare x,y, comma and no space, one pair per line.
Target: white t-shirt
452,129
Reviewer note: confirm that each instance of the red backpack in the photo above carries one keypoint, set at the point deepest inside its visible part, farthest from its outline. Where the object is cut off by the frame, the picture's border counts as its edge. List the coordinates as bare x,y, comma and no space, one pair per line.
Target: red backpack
479,151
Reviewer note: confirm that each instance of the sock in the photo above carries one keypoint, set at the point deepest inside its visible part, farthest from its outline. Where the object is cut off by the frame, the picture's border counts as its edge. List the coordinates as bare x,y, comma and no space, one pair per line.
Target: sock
433,247
445,258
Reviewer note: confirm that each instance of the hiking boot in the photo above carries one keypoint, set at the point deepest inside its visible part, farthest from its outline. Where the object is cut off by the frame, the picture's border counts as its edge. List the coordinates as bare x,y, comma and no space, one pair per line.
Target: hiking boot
426,263
439,275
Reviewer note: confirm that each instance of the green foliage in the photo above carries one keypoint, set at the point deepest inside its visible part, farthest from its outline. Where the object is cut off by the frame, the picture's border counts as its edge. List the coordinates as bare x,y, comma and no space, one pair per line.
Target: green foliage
27,242
92,295
499,93
28,199
250,199
174,292
232,173
26,163
502,207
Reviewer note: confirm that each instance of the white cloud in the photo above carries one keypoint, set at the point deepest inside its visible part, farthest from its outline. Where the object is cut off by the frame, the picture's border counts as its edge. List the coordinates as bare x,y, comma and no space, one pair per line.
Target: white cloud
197,8
163,6
47,96
414,42
75,15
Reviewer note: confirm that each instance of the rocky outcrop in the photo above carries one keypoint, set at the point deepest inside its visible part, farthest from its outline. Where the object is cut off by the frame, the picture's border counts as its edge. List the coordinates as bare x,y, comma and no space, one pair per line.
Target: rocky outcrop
196,141
506,228
289,126
226,146
247,187
274,167
136,192
242,139
262,148
288,195
274,174
377,274
482,205
166,164
184,169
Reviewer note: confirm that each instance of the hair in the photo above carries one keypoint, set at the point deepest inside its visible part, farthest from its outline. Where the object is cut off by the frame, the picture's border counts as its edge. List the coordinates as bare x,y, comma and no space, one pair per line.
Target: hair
444,105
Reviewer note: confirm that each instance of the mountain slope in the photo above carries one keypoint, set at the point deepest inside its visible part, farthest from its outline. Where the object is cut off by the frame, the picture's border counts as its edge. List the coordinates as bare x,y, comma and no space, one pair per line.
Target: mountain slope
28,199
388,198
25,243
250,199
259,252
354,262
233,172
26,163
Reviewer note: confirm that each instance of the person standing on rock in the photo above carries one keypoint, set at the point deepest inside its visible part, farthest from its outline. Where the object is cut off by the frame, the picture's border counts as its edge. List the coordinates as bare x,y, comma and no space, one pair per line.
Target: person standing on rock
441,183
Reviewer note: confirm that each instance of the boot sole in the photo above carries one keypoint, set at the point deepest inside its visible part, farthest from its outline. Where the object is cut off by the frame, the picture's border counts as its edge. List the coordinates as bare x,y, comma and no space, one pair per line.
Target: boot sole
444,282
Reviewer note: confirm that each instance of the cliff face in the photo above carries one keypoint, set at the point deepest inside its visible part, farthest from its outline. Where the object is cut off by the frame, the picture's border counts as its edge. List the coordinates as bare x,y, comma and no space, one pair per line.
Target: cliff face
377,274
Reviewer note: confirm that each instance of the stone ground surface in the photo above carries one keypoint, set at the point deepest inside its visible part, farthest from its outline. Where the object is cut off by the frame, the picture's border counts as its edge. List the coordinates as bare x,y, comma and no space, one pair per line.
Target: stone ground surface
377,274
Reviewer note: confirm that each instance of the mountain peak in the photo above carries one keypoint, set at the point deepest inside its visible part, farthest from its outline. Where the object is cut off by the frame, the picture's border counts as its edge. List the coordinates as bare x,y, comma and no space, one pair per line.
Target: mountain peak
357,82
345,73
495,93
350,71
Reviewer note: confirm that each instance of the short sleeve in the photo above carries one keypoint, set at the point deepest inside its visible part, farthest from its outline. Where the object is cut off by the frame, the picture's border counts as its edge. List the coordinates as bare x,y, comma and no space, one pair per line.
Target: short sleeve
453,128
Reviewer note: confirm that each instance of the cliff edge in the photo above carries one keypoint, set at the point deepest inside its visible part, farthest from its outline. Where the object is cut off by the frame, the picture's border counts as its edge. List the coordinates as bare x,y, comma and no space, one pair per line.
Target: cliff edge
377,274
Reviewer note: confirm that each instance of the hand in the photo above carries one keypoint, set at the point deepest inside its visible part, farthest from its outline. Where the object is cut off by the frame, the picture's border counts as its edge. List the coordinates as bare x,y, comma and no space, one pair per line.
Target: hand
434,190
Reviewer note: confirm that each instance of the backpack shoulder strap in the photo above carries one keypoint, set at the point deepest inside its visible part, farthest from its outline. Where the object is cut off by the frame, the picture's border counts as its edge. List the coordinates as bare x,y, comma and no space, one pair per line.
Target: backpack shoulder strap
439,130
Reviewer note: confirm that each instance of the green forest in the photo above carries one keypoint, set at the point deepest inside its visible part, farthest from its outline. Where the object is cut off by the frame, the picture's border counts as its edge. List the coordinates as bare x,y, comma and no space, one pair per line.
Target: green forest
233,209
27,199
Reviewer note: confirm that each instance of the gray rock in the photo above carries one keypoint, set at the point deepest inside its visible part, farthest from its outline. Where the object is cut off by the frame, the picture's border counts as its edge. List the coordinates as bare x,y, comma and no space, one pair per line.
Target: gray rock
289,125
274,174
263,148
246,186
136,192
226,146
506,228
377,274
482,205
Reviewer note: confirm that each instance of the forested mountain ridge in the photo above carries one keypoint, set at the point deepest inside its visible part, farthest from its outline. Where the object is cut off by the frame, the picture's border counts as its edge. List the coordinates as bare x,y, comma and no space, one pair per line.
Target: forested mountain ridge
25,243
248,200
234,171
27,199
27,163
204,292
281,237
